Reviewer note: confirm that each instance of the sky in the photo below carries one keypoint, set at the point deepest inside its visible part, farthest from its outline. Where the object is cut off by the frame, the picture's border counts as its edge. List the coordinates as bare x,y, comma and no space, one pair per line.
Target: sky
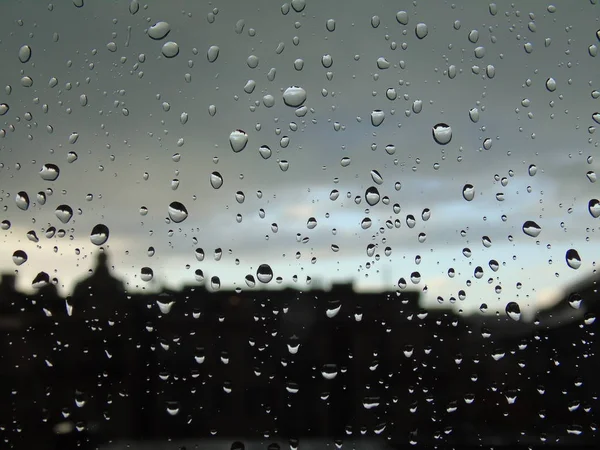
126,101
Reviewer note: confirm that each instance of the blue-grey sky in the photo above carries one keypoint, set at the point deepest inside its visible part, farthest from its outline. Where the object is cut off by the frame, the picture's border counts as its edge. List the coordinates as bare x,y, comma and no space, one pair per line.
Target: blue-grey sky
125,99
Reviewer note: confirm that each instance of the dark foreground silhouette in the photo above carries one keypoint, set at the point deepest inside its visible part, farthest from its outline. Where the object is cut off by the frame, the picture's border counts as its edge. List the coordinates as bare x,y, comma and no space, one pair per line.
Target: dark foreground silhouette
104,367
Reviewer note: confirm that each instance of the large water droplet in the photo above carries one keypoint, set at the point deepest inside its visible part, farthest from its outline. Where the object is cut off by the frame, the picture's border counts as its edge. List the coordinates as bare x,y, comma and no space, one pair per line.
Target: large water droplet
134,7
99,234
372,196
159,30
177,212
376,177
573,259
442,133
49,172
421,30
3,108
468,192
19,257
213,53
41,279
146,274
402,17
513,311
294,96
238,140
22,200
24,53
530,228
377,117
73,137
170,49
265,151
594,208
264,273
298,5
64,213
216,180
551,84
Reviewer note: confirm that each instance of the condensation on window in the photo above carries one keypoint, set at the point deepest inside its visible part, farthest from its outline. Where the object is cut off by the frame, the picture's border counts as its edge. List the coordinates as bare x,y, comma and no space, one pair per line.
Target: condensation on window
300,225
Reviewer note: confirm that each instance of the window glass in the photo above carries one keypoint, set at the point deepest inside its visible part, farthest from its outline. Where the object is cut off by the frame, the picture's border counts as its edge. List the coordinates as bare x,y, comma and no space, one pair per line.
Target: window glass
330,224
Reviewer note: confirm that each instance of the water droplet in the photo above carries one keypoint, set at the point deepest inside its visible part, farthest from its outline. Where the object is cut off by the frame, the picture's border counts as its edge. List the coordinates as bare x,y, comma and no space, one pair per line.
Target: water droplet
283,165
377,117
573,259
159,30
22,200
327,61
264,273
26,82
213,53
99,234
551,84
421,30
382,63
375,21
330,25
468,192
294,96
594,208
402,17
265,151
146,274
73,137
442,133
41,279
473,36
3,108
372,196
252,61
329,371
71,157
298,5
134,6
366,223
532,170
24,53
64,213
530,228
591,175
376,177
177,212
391,94
49,172
575,301
19,257
513,311
170,49
238,140
216,180
172,408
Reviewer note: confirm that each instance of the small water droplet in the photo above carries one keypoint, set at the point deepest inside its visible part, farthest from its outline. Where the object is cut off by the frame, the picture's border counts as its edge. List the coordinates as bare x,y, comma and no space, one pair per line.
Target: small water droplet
216,180
382,63
573,259
468,192
159,30
177,212
265,151
532,170
3,108
73,137
330,25
442,133
376,177
238,140
24,53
